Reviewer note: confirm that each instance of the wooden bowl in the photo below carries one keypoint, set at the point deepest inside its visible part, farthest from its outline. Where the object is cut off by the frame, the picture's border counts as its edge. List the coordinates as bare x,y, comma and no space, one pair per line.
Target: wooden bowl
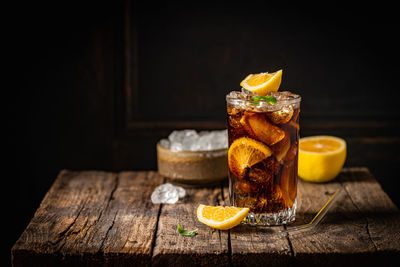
196,168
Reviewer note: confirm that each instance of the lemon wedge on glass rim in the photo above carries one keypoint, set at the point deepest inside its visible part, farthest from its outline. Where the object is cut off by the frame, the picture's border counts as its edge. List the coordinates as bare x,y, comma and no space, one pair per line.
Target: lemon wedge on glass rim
321,158
262,83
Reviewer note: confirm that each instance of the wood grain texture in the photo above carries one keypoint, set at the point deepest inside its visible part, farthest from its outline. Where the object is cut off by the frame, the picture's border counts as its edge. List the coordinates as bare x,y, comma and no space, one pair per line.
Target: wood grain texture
344,236
257,246
210,246
341,234
95,218
380,214
92,218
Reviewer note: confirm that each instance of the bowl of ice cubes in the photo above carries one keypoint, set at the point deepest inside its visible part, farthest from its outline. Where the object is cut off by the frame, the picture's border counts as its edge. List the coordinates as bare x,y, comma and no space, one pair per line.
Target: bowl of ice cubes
194,158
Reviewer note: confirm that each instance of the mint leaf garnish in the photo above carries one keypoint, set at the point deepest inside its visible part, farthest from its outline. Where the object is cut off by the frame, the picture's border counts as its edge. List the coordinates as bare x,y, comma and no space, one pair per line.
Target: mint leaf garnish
184,232
269,99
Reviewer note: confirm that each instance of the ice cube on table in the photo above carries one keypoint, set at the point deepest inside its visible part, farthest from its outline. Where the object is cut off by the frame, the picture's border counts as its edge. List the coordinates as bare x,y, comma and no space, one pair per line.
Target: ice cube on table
181,191
167,194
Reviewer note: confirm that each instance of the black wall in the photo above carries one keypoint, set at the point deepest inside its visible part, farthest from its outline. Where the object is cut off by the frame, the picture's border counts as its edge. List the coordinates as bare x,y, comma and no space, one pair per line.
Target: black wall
89,94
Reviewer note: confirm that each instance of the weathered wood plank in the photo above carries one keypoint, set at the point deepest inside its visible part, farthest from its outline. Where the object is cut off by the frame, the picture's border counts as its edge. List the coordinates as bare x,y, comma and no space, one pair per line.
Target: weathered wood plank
343,236
258,246
381,214
100,218
209,247
129,236
92,218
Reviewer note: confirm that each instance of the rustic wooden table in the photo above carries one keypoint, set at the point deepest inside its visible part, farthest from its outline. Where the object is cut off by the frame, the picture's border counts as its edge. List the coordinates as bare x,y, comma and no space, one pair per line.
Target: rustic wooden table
102,218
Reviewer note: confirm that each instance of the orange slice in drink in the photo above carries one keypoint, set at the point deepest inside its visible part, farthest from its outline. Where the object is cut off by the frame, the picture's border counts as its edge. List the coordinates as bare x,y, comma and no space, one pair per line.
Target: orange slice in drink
281,148
262,83
260,128
219,217
244,152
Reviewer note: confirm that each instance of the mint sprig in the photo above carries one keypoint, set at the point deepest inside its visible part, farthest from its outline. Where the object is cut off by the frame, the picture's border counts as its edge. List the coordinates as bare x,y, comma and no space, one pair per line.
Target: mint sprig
269,99
184,232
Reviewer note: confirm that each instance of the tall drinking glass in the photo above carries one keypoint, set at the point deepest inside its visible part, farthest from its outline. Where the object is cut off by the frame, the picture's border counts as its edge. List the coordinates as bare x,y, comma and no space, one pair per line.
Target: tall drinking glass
263,150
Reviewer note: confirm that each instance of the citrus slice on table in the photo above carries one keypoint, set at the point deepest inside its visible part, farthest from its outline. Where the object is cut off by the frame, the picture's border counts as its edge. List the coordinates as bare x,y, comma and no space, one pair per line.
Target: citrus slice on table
219,217
321,158
262,83
245,152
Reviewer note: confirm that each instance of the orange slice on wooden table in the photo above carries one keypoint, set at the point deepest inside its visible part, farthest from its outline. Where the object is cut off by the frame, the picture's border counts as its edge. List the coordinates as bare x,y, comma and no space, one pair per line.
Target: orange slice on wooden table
245,152
220,217
262,83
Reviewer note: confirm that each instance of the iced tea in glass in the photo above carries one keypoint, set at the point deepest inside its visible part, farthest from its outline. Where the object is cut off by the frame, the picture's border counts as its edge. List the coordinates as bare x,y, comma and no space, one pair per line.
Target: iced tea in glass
263,150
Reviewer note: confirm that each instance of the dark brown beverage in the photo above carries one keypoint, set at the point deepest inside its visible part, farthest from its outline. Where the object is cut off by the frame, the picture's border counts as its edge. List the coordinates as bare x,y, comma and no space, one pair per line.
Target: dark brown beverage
263,150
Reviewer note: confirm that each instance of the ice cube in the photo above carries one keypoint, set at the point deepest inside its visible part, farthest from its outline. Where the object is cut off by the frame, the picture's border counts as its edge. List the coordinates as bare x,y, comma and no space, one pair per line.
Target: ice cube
189,140
261,204
260,174
182,140
247,202
203,133
234,119
281,116
247,92
275,194
281,148
211,140
175,146
167,193
204,142
291,154
272,165
284,95
181,191
245,187
219,139
232,111
259,128
237,95
176,136
165,143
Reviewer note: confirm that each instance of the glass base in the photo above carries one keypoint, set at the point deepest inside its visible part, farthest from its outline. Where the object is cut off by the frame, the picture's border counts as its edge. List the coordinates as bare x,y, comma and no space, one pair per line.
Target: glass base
268,219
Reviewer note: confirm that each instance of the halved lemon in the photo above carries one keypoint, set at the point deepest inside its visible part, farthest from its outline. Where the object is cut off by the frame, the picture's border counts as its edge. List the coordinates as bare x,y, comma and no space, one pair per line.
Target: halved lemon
245,152
262,83
321,158
220,217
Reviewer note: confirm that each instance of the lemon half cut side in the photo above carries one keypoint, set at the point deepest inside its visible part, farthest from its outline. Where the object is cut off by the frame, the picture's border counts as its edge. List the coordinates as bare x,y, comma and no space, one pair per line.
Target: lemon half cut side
321,157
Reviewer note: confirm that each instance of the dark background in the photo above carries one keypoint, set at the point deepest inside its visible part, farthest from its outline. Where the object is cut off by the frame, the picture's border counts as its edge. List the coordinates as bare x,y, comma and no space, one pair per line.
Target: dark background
94,85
